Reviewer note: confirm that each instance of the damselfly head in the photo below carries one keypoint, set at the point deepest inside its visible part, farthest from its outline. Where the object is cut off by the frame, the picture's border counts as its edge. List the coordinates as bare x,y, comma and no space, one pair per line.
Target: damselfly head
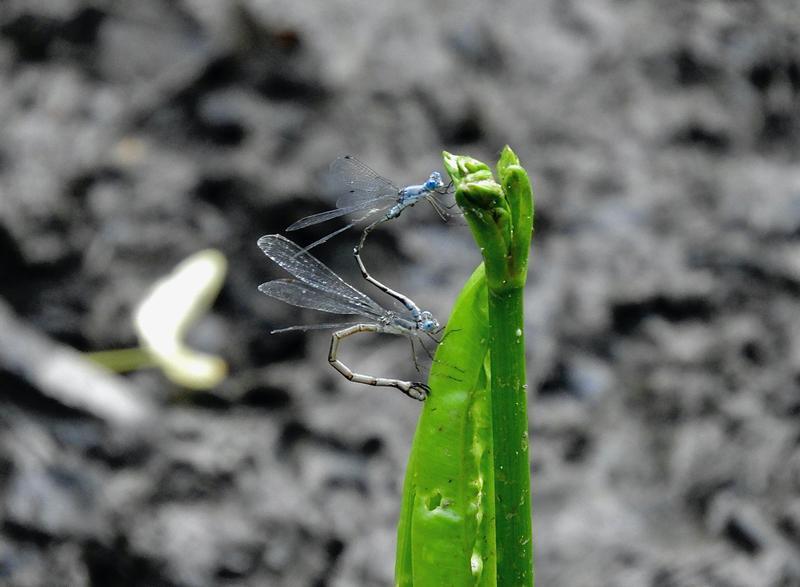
434,181
427,323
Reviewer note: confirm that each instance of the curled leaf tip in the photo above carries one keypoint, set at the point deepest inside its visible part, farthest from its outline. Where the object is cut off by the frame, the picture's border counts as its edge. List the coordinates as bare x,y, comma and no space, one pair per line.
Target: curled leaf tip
507,157
172,305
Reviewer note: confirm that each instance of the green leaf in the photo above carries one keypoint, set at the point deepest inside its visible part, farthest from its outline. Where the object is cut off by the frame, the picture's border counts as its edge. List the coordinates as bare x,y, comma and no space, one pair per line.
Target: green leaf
445,534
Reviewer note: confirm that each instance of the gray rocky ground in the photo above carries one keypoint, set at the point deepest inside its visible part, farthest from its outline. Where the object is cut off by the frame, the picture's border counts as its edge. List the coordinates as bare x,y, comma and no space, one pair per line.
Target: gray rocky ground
663,307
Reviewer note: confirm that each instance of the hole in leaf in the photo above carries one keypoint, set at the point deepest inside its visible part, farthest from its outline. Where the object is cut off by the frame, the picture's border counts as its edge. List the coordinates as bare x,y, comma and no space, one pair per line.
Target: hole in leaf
434,501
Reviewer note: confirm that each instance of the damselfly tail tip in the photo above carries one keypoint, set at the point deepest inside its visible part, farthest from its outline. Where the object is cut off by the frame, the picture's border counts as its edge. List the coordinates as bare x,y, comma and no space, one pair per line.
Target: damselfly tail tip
419,391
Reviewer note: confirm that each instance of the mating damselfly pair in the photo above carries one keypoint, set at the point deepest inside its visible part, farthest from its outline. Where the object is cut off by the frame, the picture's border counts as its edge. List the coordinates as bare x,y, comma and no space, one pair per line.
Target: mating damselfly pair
368,196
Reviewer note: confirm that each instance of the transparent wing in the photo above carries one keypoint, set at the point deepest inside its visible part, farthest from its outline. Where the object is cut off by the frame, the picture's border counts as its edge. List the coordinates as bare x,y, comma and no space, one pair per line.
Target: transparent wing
329,236
315,274
301,295
377,204
356,182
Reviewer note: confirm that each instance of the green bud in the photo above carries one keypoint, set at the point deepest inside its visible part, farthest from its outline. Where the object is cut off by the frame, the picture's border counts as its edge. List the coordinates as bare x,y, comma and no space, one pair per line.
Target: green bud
465,169
500,215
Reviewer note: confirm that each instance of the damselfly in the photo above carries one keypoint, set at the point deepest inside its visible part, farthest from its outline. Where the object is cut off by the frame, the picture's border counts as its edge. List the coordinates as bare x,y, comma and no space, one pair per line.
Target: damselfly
317,287
366,194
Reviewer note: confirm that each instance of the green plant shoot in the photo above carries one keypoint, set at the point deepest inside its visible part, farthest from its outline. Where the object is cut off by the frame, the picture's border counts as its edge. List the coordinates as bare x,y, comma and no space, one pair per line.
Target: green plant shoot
501,219
466,514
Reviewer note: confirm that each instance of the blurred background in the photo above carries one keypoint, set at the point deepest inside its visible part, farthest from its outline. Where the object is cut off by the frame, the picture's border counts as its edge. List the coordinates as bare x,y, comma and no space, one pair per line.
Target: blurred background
663,304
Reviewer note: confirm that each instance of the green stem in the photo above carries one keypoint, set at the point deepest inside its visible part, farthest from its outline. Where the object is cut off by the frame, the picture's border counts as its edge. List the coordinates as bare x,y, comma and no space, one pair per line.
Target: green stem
122,360
510,425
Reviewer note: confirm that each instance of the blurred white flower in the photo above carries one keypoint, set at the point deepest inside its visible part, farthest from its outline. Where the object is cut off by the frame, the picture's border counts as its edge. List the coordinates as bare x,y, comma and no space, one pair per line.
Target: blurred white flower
172,305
